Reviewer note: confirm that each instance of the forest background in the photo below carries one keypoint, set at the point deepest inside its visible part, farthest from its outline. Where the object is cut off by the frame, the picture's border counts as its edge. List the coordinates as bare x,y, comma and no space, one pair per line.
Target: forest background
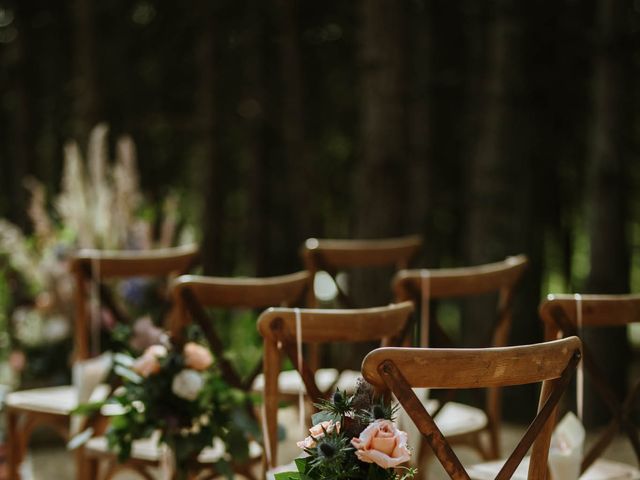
491,127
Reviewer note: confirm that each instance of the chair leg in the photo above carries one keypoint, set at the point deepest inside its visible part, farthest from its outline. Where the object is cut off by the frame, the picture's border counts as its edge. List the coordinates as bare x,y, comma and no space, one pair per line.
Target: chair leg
86,467
15,448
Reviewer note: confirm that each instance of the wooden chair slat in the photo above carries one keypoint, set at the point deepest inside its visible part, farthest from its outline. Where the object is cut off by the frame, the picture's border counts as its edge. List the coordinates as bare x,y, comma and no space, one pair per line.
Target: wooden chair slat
399,370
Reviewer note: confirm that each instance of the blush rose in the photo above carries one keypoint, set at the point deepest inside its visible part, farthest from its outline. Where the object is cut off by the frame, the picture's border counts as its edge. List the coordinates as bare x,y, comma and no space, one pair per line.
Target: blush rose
148,363
197,357
317,432
383,444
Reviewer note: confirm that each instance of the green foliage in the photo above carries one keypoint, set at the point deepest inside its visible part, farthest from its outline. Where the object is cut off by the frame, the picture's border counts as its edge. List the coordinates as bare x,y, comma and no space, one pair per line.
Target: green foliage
331,454
143,405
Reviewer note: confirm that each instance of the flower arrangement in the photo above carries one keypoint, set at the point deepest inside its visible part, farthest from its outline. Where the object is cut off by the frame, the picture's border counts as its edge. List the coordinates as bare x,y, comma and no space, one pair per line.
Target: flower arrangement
353,437
175,389
100,205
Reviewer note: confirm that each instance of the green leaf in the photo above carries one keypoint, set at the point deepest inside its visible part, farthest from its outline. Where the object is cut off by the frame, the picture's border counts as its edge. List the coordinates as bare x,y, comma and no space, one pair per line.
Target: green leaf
86,408
288,476
130,375
322,416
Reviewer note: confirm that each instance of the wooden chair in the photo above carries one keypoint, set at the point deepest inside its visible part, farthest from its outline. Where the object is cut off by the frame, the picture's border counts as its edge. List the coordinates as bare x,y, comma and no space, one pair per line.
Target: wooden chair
398,370
564,315
193,295
335,256
462,423
278,328
52,407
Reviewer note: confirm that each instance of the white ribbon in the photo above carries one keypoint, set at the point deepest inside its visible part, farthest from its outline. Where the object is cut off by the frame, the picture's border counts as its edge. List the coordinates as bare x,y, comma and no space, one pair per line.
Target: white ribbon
301,410
580,370
167,462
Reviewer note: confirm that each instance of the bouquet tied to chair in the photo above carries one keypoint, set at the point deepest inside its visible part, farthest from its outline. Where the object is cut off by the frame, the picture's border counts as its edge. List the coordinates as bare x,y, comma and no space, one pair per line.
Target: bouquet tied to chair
175,391
353,437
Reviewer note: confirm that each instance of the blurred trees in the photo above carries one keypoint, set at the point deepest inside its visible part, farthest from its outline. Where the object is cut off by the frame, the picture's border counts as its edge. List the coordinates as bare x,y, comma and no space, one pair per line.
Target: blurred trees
493,127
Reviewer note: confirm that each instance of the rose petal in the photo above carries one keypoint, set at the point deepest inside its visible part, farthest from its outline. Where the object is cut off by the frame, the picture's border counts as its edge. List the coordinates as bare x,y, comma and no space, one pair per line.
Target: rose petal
385,445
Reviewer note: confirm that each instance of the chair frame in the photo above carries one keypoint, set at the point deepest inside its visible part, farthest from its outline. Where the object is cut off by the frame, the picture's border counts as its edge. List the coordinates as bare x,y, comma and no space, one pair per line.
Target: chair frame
333,256
191,295
112,264
278,328
447,283
559,314
398,370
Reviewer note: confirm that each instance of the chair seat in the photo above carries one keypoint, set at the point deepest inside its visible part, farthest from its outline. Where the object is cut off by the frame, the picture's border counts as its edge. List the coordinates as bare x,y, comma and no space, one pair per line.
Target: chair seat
148,449
348,380
271,473
458,419
52,400
453,420
602,469
290,382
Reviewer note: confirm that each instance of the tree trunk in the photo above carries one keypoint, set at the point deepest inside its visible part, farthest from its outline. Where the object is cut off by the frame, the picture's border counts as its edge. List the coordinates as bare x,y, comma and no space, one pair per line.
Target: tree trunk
254,111
212,184
607,201
420,186
86,93
297,156
382,170
502,214
21,159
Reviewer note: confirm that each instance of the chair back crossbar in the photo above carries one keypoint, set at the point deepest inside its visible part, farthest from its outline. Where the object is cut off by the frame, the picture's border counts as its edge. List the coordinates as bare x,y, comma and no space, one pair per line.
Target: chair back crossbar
399,370
560,316
90,265
333,256
193,294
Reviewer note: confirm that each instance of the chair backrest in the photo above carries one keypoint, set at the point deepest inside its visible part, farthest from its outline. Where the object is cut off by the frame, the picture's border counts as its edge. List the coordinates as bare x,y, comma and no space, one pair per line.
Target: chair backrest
444,283
98,265
193,294
398,370
502,278
564,315
334,256
279,329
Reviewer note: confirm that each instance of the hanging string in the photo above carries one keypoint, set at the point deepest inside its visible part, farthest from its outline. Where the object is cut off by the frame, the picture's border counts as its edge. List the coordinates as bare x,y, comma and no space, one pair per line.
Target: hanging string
425,290
267,438
95,304
580,370
301,409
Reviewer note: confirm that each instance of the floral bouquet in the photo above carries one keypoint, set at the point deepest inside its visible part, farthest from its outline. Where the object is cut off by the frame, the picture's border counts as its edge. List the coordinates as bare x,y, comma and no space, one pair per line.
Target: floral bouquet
175,389
353,437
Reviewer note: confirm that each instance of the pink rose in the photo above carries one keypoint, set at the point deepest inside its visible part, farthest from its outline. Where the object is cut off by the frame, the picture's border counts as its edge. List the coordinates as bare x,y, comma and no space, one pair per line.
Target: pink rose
197,357
383,444
148,363
317,432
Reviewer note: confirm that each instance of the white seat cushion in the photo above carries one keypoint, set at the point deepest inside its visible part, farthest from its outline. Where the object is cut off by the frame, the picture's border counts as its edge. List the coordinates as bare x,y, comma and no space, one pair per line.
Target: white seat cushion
290,382
348,380
148,449
602,469
458,418
53,400
454,419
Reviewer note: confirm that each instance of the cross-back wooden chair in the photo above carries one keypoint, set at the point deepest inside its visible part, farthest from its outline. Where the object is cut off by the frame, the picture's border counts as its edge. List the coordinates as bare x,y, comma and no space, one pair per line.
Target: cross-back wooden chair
52,407
193,295
564,315
399,370
462,423
279,328
334,256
